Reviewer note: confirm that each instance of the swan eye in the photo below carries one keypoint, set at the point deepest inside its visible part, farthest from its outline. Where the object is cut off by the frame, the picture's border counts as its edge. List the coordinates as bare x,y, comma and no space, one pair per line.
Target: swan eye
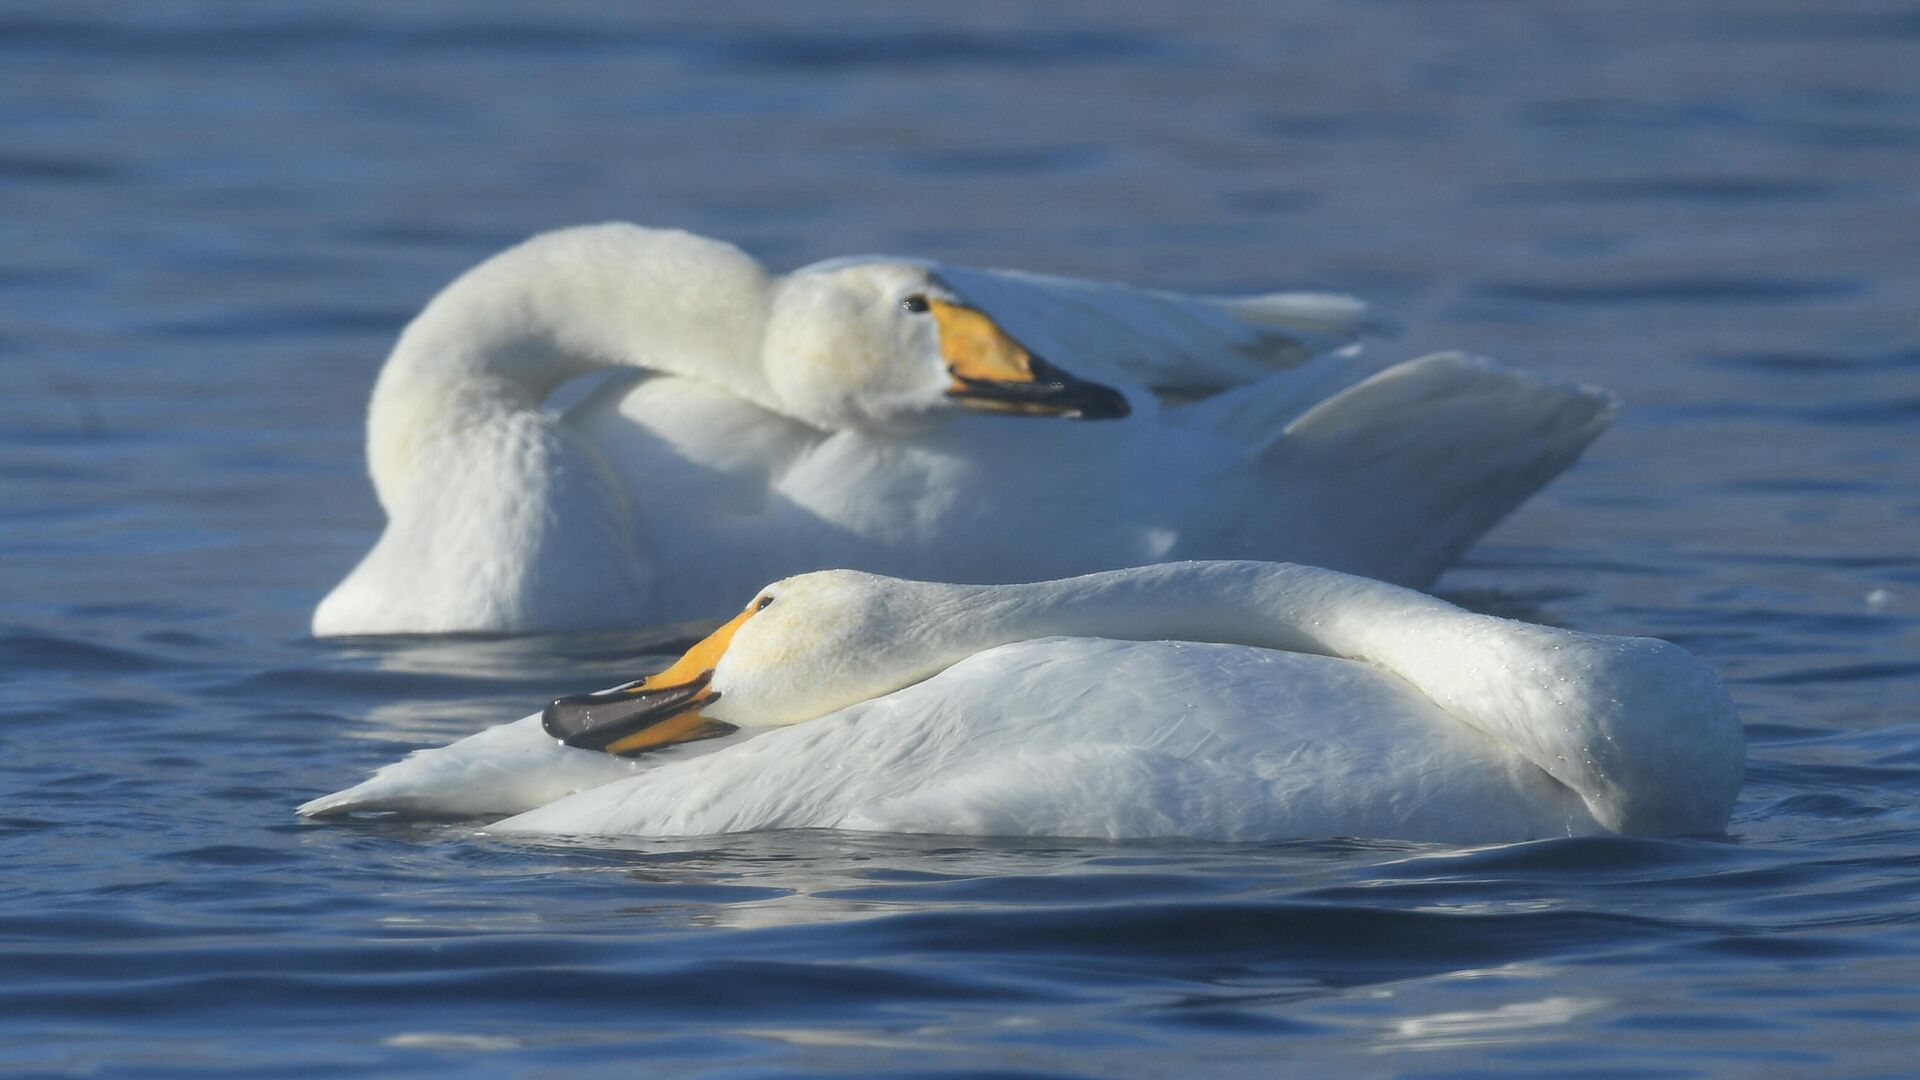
915,303
761,604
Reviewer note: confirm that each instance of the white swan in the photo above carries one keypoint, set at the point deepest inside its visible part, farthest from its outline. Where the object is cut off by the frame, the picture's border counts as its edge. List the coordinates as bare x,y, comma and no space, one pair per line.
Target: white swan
844,415
1324,705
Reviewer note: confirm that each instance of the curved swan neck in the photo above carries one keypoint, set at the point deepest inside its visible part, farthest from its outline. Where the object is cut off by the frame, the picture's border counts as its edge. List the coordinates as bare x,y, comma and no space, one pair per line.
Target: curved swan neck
1624,722
506,334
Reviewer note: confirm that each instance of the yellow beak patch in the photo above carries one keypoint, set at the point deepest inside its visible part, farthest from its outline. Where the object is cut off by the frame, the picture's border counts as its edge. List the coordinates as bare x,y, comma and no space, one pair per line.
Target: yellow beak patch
976,348
993,372
657,711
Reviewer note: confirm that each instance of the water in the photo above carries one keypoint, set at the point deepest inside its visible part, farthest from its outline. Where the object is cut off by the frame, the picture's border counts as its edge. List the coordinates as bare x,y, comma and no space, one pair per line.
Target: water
217,215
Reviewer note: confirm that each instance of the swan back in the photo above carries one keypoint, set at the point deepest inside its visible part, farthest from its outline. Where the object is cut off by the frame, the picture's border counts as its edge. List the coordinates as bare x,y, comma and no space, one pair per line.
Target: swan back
1207,741
1642,732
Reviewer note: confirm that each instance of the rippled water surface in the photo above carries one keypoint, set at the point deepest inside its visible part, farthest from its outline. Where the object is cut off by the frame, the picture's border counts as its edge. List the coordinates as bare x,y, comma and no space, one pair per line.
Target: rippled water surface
214,217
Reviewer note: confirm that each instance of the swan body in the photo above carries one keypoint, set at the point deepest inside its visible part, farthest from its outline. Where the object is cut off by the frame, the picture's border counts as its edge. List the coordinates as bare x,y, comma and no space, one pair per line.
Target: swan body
1225,701
892,414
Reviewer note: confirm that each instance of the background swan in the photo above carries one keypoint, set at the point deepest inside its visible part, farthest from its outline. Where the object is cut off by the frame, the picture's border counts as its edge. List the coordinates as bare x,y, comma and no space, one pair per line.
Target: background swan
1322,705
850,414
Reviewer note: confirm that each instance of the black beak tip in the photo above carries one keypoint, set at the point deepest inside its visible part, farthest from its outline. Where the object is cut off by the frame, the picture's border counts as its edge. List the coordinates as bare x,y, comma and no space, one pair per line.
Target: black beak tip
1083,400
1101,403
570,719
597,721
1059,393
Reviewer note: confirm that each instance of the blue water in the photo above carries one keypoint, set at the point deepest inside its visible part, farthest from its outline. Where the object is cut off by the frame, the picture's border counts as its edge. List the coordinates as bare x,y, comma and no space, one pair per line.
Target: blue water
214,217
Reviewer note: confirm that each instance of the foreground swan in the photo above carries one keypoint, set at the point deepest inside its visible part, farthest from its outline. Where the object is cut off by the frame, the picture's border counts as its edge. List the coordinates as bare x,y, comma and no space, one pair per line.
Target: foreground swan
884,414
1325,705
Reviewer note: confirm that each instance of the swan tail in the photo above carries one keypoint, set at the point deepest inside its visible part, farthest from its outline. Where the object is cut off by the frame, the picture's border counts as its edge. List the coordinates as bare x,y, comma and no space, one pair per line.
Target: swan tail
1410,466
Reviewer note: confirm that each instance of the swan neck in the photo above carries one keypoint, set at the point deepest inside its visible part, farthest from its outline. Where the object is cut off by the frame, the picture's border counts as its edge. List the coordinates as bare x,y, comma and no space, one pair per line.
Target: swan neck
1289,608
505,335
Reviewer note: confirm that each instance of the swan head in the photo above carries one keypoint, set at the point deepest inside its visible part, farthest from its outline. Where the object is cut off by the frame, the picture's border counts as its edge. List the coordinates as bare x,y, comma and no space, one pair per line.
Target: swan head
804,647
887,347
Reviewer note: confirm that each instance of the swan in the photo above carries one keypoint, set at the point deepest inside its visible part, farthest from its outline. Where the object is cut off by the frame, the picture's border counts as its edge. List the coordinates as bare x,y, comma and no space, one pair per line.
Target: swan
891,414
1212,700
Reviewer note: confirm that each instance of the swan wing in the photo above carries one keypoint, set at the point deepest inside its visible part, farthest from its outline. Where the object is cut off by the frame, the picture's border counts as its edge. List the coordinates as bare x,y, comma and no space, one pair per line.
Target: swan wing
1178,345
1394,476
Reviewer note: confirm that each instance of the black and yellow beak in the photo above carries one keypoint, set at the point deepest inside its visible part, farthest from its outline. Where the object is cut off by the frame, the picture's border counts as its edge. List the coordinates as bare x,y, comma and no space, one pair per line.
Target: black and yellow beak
994,372
654,712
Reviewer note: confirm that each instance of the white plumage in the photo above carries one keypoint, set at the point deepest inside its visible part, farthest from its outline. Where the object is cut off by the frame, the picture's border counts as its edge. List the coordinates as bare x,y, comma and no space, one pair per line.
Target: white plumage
1227,701
780,424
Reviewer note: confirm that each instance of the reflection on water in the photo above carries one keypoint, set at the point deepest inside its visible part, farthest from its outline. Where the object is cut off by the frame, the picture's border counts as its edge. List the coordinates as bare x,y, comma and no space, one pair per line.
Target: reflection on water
1511,1024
